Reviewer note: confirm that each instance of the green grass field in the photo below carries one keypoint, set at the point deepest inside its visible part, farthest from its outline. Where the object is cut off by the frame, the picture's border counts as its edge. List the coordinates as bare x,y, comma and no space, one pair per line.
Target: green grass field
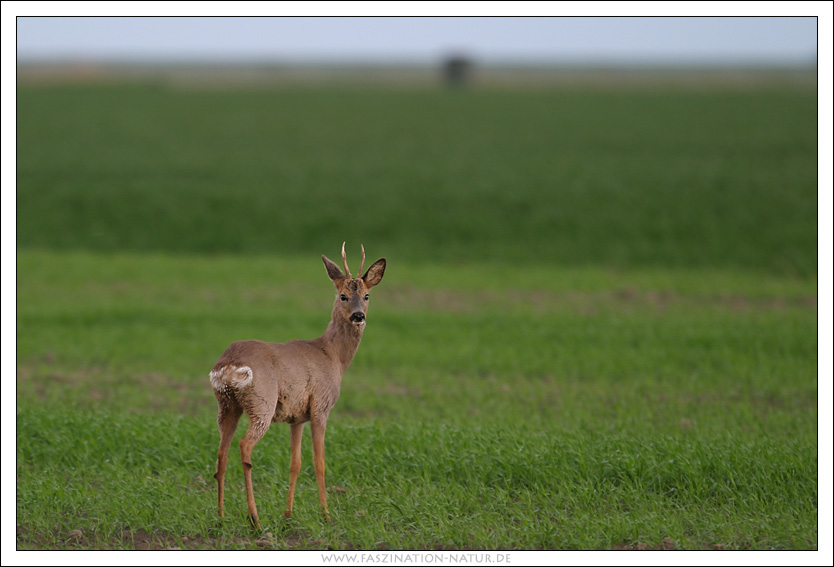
597,330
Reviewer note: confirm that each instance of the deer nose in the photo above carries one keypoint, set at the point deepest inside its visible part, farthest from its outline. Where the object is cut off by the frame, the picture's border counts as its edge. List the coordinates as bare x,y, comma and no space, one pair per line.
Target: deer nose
357,317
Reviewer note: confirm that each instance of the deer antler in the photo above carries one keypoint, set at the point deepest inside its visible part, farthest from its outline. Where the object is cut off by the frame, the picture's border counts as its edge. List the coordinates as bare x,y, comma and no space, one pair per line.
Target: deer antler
362,265
344,261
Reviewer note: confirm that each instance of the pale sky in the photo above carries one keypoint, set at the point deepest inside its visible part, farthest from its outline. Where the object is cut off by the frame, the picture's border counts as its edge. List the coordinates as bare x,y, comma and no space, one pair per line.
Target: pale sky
422,40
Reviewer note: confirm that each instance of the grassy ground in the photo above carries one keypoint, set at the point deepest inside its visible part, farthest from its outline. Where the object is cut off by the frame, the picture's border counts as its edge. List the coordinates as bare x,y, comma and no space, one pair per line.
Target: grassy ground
587,412
598,329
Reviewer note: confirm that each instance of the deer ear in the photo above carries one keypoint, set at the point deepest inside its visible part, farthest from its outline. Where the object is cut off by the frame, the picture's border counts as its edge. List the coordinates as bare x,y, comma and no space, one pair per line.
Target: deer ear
333,271
374,274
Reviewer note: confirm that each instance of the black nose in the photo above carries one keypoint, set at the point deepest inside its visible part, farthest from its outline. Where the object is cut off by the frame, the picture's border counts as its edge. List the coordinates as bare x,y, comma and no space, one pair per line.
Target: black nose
357,317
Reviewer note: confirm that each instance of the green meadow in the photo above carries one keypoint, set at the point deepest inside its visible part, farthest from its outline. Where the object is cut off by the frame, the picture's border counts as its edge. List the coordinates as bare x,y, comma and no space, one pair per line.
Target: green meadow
597,329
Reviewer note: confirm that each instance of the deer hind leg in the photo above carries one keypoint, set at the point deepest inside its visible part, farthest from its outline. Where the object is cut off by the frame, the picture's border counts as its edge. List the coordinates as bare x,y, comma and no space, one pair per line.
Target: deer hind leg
257,429
318,428
296,429
227,419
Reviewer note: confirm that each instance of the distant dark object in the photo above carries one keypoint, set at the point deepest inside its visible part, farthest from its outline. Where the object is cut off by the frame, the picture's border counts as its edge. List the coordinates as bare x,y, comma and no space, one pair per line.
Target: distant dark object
456,71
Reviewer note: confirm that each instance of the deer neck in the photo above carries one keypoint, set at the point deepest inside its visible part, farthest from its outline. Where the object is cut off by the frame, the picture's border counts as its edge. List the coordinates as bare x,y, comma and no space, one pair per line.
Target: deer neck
341,339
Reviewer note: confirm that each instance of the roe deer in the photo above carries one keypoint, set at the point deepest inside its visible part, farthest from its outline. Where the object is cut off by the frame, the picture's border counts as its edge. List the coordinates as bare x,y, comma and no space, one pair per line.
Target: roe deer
293,382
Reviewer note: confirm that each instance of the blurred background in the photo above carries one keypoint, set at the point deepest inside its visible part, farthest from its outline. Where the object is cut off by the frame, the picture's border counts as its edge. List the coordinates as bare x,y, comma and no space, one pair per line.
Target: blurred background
543,138
423,41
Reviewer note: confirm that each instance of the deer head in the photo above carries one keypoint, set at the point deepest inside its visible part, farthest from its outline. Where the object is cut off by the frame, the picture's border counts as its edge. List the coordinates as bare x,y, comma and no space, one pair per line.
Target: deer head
352,301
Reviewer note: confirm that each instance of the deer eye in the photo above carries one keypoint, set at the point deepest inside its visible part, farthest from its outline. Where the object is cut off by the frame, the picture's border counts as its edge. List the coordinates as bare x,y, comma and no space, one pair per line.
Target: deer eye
343,297
367,297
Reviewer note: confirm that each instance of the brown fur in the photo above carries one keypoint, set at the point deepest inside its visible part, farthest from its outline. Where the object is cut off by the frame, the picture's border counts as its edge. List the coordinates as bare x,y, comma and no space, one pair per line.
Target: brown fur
293,382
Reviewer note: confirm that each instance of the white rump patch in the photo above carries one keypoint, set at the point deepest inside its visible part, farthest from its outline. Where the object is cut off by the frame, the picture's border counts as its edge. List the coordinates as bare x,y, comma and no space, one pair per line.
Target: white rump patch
243,378
216,377
236,377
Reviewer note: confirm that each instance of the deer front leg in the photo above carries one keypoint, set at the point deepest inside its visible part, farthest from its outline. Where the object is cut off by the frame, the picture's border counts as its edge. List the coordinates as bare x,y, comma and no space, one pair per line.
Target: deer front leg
318,429
296,429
